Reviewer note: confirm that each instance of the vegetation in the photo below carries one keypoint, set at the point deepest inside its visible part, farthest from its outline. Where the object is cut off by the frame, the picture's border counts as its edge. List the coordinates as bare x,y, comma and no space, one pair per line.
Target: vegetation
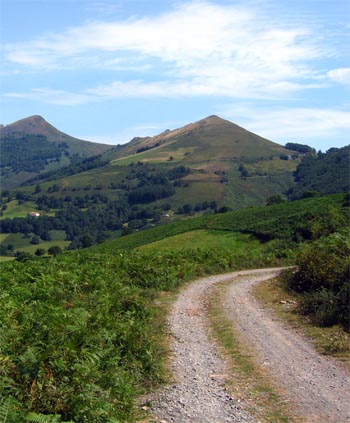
78,165
30,153
321,174
323,280
301,148
285,302
87,322
79,332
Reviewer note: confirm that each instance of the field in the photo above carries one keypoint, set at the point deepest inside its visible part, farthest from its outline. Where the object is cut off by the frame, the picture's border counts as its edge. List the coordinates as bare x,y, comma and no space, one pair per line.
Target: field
14,209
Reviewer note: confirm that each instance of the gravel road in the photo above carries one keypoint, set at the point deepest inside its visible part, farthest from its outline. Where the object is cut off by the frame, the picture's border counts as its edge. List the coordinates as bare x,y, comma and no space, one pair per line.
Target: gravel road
197,393
318,387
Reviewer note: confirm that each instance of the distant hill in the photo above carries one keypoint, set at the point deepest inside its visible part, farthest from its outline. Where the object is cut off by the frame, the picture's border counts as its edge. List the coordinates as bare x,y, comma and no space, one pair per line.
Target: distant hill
228,163
212,138
32,145
205,167
322,173
209,160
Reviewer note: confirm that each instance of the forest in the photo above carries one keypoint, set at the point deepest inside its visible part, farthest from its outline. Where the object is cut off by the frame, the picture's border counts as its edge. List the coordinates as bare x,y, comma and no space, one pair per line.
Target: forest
30,153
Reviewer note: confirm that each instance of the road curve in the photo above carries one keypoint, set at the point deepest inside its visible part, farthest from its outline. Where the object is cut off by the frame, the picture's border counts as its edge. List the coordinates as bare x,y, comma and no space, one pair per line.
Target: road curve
197,394
318,388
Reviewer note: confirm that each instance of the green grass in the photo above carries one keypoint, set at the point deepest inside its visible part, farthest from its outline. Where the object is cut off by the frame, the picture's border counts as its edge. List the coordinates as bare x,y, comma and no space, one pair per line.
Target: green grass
21,243
43,244
4,259
203,238
18,210
279,221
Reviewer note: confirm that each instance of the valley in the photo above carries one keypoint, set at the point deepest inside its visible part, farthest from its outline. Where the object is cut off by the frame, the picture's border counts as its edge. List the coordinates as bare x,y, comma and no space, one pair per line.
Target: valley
207,166
94,250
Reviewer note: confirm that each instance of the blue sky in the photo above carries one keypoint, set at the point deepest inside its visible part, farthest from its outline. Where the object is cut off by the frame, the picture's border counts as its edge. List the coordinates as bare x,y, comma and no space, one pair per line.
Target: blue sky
109,70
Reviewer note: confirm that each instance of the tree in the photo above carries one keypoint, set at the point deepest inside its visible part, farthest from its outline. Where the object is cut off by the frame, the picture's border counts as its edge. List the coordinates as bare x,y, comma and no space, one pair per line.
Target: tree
274,199
40,252
54,250
37,189
35,240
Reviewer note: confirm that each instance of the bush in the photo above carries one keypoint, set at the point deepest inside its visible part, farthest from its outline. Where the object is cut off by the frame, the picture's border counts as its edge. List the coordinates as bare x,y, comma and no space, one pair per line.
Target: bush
54,250
322,305
323,280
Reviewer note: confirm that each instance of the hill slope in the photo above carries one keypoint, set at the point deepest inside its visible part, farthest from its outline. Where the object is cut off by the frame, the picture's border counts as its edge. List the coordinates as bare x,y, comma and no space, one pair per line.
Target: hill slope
37,125
324,173
32,145
223,163
211,138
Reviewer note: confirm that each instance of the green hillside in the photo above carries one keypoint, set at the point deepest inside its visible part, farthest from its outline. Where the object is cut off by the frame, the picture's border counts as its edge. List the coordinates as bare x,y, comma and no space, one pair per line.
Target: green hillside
295,221
324,173
204,167
31,146
225,163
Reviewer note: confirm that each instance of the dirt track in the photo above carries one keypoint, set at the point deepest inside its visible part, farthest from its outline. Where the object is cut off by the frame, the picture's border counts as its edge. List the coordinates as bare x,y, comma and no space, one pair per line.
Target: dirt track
318,388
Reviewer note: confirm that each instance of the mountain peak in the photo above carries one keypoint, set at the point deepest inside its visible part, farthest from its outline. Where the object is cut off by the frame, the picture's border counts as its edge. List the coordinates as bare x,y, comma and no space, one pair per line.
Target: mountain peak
35,124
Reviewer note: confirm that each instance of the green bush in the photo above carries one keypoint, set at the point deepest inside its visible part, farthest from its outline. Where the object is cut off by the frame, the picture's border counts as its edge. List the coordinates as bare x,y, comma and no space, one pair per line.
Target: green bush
323,280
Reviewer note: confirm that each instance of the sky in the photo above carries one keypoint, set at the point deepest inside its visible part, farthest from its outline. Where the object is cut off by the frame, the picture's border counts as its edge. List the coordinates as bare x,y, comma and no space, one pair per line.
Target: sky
110,70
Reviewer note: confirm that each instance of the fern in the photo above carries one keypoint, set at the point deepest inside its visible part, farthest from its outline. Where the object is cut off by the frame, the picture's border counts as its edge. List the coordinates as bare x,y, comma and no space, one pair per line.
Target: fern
44,418
9,410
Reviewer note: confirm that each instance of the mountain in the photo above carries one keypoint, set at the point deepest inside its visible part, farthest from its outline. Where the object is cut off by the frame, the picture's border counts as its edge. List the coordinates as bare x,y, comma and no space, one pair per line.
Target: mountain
227,163
37,125
204,166
212,138
32,145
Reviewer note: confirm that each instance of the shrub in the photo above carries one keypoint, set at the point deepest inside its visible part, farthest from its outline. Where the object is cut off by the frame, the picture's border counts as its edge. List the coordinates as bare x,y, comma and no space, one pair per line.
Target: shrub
323,280
54,250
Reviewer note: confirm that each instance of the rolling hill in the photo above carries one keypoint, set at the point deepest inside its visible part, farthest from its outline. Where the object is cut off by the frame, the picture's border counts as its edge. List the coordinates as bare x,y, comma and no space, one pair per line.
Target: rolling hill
207,166
224,163
32,145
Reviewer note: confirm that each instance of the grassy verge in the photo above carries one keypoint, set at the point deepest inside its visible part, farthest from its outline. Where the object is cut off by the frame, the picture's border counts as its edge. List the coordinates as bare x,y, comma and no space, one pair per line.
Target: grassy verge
332,340
248,382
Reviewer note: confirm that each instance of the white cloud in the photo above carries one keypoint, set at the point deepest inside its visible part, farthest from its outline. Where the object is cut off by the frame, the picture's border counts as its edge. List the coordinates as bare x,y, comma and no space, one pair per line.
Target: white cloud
47,95
341,75
125,135
197,48
328,126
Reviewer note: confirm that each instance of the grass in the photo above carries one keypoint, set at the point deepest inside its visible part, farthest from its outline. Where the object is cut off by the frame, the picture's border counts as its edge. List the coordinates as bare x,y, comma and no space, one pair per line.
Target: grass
197,192
18,210
332,341
203,238
279,221
45,245
249,384
21,243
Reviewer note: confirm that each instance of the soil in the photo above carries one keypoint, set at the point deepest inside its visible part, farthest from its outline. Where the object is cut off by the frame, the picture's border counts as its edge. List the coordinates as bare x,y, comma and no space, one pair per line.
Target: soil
316,386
